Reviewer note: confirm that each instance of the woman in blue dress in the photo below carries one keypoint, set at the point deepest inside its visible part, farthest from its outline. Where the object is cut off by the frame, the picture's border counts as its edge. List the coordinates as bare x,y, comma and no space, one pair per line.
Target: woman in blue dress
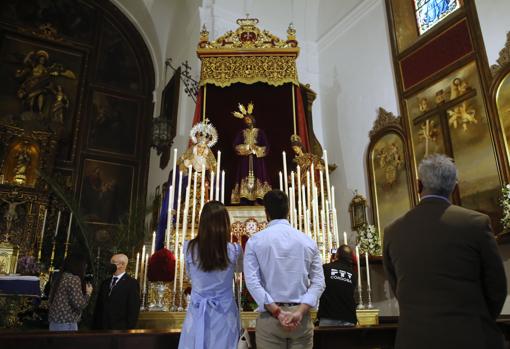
212,320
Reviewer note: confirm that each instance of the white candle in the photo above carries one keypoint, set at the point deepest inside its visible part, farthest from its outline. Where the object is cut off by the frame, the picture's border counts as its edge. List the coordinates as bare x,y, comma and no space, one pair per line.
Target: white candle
308,189
312,175
169,216
359,267
137,264
181,274
69,227
328,226
332,199
58,223
171,192
145,273
303,203
293,196
211,184
281,180
178,216
202,188
335,227
285,187
345,238
186,208
194,204
153,244
368,269
42,233
142,267
326,168
299,197
218,175
222,196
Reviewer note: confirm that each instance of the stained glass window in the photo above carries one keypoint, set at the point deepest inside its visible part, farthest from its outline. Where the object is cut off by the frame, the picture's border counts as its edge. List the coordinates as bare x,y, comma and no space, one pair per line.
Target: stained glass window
430,12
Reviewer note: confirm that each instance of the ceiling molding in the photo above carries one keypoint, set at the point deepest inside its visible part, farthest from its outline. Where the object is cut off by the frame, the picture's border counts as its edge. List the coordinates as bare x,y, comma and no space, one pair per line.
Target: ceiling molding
328,38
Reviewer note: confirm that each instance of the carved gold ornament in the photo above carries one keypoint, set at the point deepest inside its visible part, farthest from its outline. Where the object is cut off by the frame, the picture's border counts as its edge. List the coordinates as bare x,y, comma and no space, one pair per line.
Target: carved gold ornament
225,70
248,55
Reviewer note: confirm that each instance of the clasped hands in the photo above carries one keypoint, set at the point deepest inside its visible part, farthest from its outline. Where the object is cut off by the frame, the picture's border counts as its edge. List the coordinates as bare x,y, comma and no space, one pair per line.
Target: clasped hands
290,320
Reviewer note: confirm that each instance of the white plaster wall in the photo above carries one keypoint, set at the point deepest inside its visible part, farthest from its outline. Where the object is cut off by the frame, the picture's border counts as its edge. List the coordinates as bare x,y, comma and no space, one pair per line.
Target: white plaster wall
495,23
356,77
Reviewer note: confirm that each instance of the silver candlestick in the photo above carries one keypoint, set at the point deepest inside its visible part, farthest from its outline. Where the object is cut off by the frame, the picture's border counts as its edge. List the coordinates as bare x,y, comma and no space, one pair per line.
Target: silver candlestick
369,291
360,299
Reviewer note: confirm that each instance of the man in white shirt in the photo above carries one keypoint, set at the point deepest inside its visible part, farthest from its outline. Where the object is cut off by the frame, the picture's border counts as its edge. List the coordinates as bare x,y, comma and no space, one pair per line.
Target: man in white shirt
283,272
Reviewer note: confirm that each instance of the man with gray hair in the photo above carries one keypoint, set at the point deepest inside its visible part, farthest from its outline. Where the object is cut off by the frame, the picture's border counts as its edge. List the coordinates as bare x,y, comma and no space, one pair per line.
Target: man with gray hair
443,265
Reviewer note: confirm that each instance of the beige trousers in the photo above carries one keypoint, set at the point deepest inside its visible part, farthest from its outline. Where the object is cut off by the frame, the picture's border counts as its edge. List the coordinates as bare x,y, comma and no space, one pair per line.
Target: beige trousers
270,334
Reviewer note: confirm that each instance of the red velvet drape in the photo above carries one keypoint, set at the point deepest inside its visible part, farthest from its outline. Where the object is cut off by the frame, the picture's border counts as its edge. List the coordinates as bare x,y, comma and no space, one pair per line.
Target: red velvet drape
273,113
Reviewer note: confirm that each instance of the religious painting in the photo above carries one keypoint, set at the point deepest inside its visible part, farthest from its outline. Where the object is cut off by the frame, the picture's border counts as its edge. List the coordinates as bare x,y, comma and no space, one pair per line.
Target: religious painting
479,184
101,234
113,125
117,66
450,117
358,211
106,191
55,19
389,173
169,111
40,89
503,106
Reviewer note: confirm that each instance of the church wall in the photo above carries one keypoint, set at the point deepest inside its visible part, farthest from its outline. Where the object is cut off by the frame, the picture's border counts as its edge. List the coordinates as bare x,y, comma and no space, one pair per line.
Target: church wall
356,77
493,17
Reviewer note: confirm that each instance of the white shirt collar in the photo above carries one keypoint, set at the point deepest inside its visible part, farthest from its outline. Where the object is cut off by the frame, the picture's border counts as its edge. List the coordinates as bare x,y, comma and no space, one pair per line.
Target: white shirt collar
118,276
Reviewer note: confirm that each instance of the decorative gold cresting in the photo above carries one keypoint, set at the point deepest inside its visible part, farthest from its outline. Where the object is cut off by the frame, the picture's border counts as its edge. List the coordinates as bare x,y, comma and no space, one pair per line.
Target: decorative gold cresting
248,55
384,119
504,57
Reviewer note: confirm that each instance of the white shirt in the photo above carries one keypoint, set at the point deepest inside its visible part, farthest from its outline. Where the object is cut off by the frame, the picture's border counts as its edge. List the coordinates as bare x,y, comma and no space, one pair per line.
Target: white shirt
283,265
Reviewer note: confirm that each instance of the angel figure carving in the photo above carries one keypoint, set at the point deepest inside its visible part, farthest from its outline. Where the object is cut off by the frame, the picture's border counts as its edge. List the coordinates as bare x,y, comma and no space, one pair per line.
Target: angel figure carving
38,80
462,115
458,87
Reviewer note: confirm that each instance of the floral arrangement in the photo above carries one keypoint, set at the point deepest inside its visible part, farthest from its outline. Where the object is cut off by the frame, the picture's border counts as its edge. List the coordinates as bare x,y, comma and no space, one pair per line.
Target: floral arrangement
28,265
505,204
161,266
368,240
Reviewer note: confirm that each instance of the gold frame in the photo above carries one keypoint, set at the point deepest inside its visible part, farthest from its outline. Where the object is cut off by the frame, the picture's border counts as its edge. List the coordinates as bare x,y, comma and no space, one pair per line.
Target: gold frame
385,124
8,258
358,211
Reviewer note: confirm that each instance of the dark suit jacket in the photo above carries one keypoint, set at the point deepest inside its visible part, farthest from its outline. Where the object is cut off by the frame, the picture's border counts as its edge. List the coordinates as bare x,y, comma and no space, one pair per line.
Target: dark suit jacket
118,309
443,264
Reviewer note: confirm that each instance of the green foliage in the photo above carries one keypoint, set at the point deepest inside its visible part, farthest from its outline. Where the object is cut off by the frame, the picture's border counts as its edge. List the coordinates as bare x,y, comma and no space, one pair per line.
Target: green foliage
505,205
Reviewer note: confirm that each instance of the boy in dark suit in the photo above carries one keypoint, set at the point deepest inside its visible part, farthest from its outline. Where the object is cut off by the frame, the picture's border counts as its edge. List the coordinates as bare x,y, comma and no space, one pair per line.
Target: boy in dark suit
443,264
118,301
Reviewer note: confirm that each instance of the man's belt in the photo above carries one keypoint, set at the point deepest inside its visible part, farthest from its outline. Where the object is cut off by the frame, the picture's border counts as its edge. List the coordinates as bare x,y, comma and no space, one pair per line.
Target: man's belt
286,304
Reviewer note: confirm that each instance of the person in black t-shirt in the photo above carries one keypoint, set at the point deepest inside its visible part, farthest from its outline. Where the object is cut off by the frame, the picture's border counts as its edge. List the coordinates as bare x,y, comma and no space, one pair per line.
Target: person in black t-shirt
337,306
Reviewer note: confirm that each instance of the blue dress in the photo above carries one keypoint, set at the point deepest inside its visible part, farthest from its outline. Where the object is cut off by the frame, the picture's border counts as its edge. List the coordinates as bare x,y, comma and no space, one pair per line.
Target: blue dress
212,319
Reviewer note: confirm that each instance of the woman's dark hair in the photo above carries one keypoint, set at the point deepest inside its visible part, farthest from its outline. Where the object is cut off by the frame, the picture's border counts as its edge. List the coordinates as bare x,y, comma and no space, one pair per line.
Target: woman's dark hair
276,204
212,238
75,264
